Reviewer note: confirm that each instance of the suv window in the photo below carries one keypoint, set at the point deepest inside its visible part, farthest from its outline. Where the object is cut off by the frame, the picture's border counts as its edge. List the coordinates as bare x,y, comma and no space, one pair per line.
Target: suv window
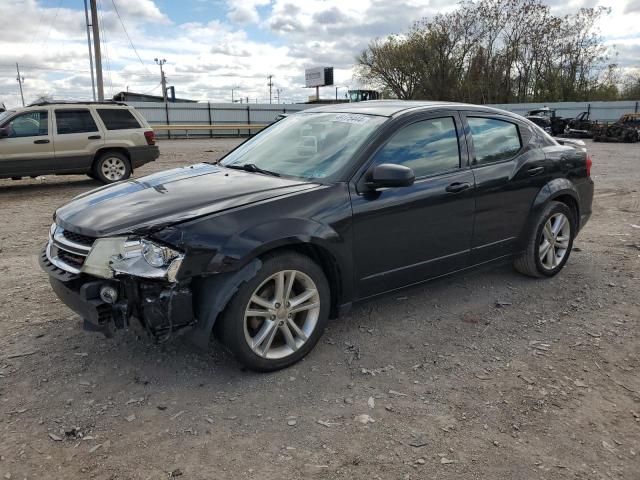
29,124
427,147
117,118
74,121
493,140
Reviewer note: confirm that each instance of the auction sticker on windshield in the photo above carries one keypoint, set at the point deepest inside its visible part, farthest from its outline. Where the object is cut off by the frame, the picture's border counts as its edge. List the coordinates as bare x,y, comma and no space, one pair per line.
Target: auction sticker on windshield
351,118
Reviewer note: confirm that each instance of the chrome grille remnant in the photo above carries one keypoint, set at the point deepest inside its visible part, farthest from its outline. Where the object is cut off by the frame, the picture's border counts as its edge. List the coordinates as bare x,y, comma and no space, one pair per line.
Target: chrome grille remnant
68,250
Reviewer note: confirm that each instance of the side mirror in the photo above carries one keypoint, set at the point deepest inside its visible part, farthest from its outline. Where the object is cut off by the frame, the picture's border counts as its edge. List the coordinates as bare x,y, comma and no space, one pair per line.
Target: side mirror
388,175
4,132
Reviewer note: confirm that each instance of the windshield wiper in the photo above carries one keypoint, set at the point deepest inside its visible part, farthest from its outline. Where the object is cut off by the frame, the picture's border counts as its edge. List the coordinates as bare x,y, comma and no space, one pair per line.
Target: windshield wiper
252,167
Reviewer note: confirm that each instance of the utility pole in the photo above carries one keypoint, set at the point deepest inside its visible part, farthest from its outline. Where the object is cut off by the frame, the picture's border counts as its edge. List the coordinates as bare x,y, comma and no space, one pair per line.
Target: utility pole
163,80
278,90
232,90
96,48
86,17
270,86
20,79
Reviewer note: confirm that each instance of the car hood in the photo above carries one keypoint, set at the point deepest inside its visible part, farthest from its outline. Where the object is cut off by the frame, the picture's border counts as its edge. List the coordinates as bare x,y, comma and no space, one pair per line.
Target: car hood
146,204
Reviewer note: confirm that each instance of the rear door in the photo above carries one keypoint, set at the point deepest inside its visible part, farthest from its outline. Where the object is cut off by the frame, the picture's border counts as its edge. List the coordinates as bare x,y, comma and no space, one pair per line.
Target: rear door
77,139
509,171
28,148
410,234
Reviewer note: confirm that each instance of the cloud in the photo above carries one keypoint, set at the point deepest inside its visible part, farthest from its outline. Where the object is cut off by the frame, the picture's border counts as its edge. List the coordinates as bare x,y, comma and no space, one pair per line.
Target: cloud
245,11
237,43
632,7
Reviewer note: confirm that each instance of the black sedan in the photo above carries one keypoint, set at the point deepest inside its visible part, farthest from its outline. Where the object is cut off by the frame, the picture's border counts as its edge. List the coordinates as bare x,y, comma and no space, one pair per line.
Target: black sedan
323,209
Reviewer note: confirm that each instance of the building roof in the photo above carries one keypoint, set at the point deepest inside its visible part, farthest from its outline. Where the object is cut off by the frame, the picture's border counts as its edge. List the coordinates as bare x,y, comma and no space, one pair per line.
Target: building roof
143,97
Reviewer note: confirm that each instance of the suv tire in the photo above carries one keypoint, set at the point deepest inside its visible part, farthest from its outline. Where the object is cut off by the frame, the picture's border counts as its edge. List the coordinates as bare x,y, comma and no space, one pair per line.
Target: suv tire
111,166
286,325
549,242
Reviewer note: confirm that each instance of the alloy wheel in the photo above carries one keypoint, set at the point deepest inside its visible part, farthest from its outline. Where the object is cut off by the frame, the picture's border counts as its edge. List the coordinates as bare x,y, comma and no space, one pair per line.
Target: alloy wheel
113,168
554,242
282,314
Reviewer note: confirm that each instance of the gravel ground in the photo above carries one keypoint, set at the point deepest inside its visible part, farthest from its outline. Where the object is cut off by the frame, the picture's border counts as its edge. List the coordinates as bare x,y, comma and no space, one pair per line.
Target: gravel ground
436,381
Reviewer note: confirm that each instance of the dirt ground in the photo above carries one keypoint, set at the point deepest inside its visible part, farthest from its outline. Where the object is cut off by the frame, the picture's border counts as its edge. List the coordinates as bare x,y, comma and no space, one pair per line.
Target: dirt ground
489,375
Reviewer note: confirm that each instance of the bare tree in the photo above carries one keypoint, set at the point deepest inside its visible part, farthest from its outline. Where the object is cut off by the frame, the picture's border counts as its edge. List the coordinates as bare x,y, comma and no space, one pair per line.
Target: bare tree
495,51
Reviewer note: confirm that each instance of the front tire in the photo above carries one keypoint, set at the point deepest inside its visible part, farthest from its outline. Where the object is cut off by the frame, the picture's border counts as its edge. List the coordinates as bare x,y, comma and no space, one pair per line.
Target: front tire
549,242
112,167
277,317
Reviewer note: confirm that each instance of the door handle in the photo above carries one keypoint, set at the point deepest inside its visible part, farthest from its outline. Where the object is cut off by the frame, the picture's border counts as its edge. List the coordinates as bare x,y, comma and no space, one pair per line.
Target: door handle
458,187
40,141
94,137
535,170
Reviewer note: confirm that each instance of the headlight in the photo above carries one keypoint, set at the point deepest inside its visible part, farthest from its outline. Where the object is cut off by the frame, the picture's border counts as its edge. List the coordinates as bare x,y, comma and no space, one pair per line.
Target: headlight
139,258
157,255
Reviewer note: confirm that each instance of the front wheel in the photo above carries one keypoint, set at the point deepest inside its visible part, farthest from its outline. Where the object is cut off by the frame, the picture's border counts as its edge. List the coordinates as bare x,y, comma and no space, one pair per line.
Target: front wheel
549,243
277,317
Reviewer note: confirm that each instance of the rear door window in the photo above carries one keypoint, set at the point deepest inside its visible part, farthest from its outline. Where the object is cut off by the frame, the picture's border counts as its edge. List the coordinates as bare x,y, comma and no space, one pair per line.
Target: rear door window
493,140
74,121
117,118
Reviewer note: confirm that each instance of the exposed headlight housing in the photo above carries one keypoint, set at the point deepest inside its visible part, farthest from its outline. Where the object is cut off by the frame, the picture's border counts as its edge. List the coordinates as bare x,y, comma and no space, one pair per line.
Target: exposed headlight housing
137,257
157,255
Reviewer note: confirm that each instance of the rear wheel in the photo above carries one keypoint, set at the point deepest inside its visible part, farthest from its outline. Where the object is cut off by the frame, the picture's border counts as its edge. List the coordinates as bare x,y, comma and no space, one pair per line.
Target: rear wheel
277,317
112,167
549,243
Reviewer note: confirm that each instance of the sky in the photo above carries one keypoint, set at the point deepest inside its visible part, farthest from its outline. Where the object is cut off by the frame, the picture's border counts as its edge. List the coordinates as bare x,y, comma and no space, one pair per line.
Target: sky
214,46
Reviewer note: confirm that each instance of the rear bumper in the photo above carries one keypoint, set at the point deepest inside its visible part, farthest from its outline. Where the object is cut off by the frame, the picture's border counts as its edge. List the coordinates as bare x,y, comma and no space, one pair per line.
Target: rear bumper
585,192
144,154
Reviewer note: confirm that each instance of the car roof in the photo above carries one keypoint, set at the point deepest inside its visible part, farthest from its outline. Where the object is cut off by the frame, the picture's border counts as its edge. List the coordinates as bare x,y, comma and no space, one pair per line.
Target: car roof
390,108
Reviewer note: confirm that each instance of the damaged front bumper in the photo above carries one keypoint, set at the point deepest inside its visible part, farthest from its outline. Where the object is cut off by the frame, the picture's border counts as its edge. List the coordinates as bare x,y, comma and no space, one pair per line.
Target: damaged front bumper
156,307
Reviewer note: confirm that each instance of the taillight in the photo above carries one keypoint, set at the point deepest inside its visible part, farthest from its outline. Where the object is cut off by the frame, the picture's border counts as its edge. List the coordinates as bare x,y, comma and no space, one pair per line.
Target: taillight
589,163
151,137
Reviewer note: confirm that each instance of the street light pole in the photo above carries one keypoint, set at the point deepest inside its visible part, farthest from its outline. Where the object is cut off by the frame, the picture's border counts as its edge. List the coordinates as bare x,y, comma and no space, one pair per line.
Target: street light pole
163,80
270,86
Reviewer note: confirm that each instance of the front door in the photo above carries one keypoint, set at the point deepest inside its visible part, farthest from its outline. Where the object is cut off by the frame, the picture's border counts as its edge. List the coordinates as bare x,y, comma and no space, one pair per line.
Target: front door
409,234
27,148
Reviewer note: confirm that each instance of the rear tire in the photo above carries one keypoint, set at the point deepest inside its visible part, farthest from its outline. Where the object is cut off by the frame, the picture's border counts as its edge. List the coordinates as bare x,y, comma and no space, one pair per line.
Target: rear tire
267,330
549,242
111,167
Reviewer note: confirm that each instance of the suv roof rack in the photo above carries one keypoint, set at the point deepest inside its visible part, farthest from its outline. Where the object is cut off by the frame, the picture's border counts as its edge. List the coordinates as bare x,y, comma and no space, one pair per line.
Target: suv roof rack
72,102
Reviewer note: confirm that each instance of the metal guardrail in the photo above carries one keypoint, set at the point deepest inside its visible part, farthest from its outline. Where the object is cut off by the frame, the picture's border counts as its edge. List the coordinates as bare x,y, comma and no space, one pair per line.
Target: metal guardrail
210,128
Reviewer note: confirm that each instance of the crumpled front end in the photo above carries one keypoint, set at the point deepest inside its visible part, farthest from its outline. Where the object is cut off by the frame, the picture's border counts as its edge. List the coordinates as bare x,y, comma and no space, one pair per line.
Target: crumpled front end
119,282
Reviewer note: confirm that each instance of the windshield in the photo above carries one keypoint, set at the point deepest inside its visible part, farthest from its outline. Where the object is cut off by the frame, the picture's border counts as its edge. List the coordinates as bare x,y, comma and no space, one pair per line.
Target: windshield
306,145
5,115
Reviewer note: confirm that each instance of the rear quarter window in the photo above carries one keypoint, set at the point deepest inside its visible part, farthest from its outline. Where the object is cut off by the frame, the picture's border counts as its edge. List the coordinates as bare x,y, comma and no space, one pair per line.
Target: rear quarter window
494,140
117,118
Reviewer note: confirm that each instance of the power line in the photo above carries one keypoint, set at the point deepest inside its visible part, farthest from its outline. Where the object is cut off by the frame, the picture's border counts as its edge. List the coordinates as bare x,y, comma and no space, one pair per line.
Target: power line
128,37
55,17
37,67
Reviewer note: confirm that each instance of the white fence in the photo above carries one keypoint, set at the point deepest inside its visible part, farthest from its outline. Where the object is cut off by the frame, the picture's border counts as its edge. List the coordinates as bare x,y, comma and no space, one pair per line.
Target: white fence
211,114
247,114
